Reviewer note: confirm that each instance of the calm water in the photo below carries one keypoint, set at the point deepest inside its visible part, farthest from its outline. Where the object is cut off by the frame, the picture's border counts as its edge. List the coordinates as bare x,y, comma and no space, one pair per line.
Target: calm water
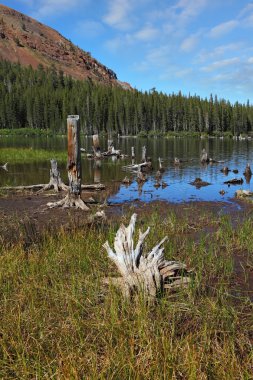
236,154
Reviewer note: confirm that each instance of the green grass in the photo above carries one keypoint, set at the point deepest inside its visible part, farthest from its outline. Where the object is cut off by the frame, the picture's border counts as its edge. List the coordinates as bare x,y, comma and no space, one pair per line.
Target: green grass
26,155
26,132
59,321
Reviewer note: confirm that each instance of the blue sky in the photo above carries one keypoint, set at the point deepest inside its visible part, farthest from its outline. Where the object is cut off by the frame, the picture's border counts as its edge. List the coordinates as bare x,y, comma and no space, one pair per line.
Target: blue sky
196,46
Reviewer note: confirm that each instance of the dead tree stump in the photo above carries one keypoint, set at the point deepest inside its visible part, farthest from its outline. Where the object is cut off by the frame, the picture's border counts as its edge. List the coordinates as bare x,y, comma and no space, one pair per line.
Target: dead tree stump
144,154
204,157
132,153
149,273
96,147
73,198
55,181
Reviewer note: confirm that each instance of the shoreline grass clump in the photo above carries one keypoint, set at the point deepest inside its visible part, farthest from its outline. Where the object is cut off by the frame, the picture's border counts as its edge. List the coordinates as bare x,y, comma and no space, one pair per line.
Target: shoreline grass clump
27,155
58,320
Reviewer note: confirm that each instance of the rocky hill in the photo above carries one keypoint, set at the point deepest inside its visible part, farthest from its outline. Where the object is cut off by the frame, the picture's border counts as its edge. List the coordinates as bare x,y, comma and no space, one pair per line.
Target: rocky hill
25,40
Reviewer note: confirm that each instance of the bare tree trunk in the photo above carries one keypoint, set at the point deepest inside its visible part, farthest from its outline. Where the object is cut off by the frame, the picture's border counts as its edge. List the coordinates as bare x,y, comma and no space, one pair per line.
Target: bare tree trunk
73,198
150,273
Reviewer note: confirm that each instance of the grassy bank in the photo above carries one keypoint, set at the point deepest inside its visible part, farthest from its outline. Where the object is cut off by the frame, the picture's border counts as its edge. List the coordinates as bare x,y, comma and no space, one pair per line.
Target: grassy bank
58,321
25,155
26,132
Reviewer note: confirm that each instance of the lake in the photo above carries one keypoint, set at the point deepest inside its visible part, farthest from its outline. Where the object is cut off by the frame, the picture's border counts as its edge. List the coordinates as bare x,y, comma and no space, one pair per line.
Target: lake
235,153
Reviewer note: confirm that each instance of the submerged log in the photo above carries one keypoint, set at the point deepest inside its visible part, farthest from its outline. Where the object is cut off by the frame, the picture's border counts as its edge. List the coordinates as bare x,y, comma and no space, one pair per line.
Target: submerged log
225,170
73,198
149,273
234,181
199,183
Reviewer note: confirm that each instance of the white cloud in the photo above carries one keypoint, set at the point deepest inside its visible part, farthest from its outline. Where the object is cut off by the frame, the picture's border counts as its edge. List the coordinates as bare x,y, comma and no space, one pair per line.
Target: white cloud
223,28
219,51
46,8
220,64
90,27
114,44
189,43
147,33
250,60
118,14
182,13
183,73
189,8
246,10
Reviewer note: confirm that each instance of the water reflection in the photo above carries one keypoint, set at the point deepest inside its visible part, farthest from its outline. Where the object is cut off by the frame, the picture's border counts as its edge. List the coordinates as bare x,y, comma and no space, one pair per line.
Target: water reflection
174,184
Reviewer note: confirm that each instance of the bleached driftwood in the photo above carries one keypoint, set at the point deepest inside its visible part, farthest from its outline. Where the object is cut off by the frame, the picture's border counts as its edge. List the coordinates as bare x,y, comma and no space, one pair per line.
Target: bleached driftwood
55,181
95,186
243,193
4,167
137,166
149,273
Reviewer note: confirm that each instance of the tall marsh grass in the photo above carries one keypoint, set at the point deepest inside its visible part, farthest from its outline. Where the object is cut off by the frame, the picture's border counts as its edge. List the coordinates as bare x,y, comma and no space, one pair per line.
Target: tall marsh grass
59,321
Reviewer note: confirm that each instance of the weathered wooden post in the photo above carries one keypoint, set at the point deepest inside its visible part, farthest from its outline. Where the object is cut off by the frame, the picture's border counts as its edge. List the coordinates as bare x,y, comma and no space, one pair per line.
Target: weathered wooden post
73,198
74,156
96,146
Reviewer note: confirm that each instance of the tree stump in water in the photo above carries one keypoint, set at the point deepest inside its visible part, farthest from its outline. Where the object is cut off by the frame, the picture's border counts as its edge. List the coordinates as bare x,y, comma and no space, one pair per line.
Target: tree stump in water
96,147
55,181
150,273
144,154
204,157
73,198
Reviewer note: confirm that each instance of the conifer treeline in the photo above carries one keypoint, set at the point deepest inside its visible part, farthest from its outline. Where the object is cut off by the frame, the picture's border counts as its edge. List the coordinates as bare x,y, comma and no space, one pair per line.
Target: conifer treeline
42,99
